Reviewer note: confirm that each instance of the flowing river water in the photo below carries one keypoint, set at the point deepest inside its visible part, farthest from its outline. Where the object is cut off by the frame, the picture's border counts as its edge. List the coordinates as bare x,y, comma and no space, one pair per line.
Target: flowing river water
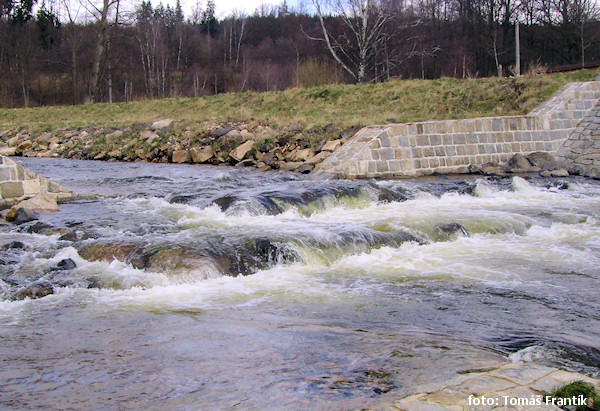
215,288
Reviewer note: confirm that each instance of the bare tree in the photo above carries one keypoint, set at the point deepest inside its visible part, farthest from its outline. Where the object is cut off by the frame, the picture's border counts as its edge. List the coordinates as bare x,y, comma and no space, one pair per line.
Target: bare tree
234,28
583,13
101,13
365,35
72,12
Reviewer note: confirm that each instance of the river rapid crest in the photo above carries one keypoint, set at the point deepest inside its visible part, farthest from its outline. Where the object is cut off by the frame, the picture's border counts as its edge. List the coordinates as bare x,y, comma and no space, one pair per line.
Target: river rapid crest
177,286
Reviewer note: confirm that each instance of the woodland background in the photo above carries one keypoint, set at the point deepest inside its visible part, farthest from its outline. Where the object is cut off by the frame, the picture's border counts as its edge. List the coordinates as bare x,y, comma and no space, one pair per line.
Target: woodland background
60,52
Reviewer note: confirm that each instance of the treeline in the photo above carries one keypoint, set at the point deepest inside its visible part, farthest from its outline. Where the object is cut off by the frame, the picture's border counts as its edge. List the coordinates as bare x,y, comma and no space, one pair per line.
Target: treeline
97,51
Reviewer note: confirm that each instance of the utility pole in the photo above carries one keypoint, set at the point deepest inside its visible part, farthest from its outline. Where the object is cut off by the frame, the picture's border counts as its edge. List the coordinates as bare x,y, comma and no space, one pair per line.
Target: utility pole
517,50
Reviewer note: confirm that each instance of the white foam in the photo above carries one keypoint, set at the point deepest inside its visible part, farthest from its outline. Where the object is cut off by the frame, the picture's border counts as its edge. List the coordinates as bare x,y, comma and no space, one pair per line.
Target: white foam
534,353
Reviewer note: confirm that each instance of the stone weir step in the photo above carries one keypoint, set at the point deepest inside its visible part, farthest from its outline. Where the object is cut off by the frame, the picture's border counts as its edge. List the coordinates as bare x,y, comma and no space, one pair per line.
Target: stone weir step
511,386
18,183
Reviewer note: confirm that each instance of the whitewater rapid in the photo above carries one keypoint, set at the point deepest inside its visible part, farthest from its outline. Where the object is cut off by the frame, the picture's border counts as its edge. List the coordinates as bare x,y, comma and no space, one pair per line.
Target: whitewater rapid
212,286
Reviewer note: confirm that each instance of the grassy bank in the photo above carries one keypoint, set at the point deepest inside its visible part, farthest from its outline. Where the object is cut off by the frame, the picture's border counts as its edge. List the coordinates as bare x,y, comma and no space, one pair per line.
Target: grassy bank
343,105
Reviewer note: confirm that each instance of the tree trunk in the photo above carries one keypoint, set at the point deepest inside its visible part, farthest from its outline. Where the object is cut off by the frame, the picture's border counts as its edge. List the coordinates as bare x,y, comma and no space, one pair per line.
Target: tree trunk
99,50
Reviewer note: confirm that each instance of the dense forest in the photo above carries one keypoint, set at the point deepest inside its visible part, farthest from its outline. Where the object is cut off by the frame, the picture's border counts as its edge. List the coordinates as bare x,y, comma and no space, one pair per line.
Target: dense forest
68,52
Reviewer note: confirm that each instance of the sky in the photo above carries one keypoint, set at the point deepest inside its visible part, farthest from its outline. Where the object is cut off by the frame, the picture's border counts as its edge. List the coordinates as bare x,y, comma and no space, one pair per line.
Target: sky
224,7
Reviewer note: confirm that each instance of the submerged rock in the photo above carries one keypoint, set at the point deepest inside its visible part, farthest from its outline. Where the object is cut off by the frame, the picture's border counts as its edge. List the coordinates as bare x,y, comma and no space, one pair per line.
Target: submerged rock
37,289
64,265
14,245
21,215
109,251
451,231
180,260
40,228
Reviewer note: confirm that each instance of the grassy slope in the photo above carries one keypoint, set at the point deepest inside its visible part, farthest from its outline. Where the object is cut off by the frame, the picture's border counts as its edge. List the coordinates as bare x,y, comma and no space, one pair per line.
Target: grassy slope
343,105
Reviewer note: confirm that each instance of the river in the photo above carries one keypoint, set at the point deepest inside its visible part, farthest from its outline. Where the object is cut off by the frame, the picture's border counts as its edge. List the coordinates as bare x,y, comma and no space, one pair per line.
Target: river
237,289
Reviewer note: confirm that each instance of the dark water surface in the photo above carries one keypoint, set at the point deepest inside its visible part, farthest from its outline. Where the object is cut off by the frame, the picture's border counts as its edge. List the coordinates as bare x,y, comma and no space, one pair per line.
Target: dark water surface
239,289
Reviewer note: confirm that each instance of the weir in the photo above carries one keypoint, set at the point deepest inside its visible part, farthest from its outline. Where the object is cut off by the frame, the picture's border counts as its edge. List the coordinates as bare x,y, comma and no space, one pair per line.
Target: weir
18,183
566,126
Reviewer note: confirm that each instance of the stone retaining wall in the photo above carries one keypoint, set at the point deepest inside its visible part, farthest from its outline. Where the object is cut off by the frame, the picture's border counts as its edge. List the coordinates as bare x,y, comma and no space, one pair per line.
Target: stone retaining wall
580,154
455,146
18,183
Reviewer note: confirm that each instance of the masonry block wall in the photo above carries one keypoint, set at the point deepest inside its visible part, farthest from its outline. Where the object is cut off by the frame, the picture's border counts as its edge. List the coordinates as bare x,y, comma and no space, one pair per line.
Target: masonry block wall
18,183
580,153
451,146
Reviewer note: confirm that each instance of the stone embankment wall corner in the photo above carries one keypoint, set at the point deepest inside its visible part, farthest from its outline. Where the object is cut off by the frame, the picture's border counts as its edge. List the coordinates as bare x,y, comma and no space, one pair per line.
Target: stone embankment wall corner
580,153
455,146
18,183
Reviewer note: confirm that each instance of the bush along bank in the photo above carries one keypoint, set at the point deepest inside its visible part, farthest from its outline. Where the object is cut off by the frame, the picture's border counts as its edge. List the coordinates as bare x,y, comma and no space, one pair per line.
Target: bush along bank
292,147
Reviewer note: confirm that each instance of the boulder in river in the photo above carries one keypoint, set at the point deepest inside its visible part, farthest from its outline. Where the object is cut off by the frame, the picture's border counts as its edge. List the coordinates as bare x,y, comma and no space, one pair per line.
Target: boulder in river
519,162
37,289
545,161
451,231
64,265
20,215
41,203
109,251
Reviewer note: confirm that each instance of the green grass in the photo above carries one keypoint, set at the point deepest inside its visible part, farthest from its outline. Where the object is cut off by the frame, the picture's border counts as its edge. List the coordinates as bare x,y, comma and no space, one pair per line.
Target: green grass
575,389
342,105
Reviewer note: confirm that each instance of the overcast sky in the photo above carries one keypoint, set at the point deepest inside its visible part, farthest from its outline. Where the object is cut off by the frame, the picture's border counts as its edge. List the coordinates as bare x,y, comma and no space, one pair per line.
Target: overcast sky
224,7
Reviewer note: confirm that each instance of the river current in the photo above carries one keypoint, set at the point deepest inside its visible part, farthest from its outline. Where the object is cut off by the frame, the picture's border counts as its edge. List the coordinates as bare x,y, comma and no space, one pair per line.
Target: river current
204,287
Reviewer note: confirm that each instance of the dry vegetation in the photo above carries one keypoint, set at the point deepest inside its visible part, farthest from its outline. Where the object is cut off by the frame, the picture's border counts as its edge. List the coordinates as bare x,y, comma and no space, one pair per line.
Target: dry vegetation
342,105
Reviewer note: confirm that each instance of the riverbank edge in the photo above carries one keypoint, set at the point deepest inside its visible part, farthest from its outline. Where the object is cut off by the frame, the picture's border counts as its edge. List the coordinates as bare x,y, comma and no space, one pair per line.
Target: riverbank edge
504,386
566,128
292,147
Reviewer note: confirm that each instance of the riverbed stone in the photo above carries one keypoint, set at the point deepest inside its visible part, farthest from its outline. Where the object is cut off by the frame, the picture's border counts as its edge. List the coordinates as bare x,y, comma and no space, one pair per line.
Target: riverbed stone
66,264
318,157
8,151
522,374
149,136
42,203
221,131
201,154
542,160
20,215
240,152
303,155
520,162
115,154
160,124
37,289
181,156
332,145
561,172
115,135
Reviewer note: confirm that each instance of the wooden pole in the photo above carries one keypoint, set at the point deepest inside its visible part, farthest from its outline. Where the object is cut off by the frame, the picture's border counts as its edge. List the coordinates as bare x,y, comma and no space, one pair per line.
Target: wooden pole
517,50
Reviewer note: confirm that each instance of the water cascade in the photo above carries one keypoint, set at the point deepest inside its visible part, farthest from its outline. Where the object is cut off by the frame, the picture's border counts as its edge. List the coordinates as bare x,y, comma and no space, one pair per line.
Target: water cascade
188,286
